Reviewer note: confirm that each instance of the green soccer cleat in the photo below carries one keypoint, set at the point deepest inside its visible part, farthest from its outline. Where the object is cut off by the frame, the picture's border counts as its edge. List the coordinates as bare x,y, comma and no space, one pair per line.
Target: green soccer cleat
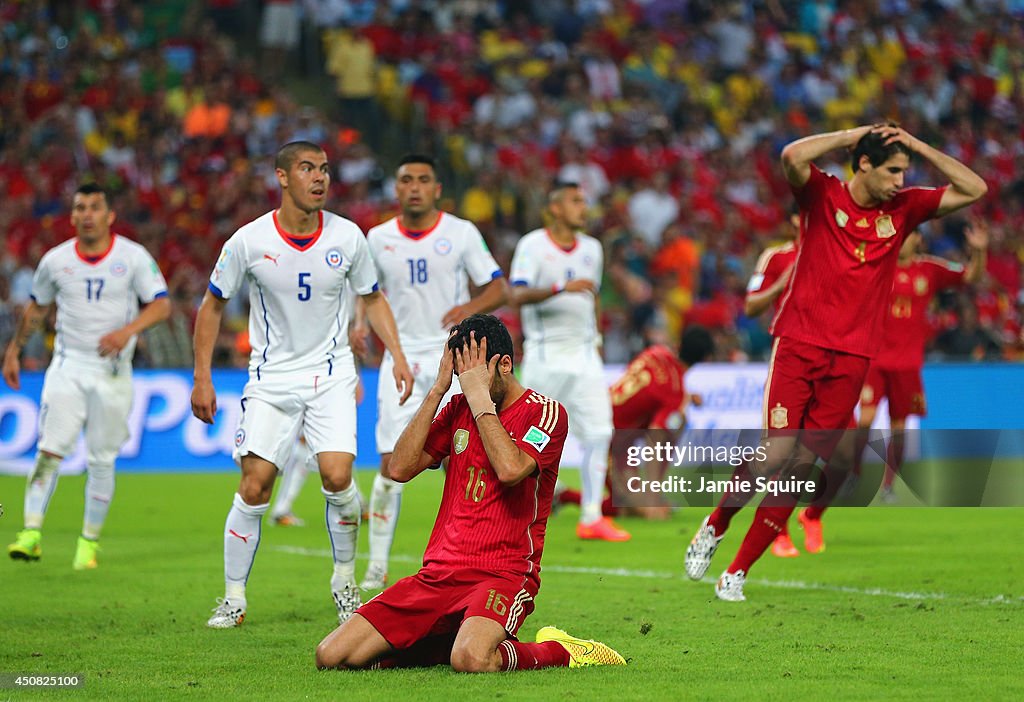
26,545
85,554
582,652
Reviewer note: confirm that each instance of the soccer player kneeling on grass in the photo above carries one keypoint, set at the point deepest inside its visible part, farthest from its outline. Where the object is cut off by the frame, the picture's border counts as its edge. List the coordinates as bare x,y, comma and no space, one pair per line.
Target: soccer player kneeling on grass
480,572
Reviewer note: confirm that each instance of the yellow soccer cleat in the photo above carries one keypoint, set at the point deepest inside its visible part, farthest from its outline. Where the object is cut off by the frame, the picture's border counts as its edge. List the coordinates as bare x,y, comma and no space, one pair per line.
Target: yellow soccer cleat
582,652
26,545
85,554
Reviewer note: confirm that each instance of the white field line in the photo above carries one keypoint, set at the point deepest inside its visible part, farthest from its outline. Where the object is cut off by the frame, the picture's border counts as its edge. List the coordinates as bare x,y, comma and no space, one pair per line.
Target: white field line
668,575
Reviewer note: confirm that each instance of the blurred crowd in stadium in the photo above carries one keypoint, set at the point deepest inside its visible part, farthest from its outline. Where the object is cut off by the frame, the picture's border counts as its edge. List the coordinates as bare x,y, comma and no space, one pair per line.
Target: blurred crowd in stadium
671,113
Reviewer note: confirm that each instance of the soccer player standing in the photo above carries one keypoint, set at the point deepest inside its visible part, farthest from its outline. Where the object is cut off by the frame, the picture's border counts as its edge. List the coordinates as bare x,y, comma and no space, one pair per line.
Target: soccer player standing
556,273
895,373
481,569
299,260
96,280
424,258
830,320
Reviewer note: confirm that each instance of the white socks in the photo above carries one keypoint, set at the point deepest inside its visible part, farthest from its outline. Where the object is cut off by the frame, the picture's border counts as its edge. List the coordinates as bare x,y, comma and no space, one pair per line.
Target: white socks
99,491
42,481
592,475
385,504
343,515
241,538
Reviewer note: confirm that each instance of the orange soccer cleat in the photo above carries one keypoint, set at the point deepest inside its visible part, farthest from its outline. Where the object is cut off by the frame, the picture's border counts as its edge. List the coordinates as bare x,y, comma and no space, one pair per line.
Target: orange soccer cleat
604,529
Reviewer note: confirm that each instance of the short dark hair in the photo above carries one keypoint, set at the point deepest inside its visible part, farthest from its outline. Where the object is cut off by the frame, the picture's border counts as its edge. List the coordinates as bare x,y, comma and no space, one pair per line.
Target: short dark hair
874,147
695,345
288,154
418,158
485,326
92,189
558,186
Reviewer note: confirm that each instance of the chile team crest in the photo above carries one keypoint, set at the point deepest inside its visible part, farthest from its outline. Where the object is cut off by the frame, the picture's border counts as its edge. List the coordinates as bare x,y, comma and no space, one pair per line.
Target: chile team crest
443,247
333,258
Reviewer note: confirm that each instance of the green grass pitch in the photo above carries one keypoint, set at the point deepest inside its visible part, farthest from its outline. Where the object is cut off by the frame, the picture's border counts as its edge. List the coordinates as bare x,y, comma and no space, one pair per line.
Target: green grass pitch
904,604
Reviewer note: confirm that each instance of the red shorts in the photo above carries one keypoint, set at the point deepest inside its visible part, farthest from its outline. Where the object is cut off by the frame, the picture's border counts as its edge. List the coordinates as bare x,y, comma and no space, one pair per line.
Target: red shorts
434,602
811,388
903,388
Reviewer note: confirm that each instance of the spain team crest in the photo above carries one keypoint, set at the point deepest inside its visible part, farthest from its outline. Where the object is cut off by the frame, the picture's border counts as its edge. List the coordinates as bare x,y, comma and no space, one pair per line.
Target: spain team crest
460,440
884,227
921,285
779,417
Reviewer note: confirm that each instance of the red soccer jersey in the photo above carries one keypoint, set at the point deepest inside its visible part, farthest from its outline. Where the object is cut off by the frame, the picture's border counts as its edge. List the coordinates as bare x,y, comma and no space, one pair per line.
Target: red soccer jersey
845,265
770,266
906,320
481,523
650,394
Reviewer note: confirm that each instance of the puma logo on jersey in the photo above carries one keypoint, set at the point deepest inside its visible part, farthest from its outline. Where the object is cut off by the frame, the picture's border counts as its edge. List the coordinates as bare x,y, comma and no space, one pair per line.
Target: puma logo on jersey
390,248
272,258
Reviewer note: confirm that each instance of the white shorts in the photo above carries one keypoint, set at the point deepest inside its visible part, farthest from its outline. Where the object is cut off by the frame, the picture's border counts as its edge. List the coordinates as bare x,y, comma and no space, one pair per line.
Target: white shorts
392,418
577,381
275,411
79,396
280,27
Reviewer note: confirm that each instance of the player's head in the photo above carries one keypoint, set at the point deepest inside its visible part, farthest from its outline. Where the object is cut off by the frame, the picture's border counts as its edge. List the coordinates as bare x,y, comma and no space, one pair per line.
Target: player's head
304,175
567,205
416,185
880,165
695,345
499,343
91,215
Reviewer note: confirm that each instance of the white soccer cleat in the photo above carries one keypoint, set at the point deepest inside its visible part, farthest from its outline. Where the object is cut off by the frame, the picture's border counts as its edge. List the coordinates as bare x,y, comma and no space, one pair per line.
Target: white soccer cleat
730,586
375,579
226,615
700,551
348,601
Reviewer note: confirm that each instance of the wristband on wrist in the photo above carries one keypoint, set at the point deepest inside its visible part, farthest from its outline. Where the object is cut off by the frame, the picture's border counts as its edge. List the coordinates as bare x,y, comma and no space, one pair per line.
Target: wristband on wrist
493,410
556,288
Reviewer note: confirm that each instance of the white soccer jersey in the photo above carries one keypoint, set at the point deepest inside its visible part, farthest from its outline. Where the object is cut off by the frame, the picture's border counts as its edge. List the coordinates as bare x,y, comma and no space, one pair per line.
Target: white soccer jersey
566,319
96,296
298,306
424,274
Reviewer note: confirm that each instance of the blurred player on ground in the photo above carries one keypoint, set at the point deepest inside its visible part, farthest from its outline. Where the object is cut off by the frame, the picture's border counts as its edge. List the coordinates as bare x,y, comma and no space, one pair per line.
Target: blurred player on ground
650,396
299,260
830,319
481,568
96,280
425,259
556,274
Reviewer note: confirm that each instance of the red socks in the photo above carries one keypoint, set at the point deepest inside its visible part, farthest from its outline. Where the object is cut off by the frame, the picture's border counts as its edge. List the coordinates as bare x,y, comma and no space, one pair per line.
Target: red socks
733,501
769,522
516,655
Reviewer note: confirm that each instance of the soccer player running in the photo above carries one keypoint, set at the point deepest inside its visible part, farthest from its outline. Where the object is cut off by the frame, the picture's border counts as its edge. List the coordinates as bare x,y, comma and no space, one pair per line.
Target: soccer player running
96,280
481,569
425,258
830,320
555,276
299,260
895,372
